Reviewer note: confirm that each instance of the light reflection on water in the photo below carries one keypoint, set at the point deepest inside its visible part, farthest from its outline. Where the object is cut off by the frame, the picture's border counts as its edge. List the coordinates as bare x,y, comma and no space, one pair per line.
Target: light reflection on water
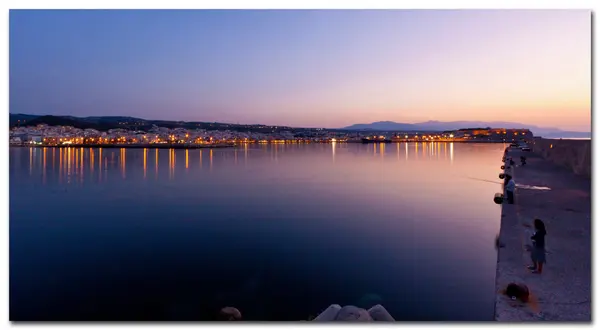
281,234
71,160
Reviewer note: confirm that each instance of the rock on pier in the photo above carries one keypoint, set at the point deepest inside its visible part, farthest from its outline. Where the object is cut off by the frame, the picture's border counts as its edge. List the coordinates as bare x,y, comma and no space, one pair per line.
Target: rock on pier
354,314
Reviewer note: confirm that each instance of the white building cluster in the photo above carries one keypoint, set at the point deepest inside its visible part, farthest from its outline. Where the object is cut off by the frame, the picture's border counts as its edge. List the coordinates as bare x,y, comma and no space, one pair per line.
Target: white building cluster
60,135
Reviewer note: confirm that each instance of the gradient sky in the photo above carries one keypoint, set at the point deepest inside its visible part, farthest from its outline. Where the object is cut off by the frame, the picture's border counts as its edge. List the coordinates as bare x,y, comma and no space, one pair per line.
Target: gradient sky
305,68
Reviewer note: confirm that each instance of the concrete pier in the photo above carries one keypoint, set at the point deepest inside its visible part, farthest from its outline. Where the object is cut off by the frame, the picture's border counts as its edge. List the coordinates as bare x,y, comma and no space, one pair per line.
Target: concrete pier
563,291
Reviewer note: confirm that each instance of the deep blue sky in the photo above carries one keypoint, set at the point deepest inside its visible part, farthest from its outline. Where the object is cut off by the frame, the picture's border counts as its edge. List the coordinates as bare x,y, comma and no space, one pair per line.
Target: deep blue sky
304,68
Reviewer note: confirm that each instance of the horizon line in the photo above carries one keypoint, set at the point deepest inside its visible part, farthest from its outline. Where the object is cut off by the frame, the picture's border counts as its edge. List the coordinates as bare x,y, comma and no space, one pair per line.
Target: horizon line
321,127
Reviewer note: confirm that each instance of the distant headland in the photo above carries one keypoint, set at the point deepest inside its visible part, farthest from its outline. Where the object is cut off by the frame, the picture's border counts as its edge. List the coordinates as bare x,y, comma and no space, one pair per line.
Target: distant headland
63,131
105,123
546,132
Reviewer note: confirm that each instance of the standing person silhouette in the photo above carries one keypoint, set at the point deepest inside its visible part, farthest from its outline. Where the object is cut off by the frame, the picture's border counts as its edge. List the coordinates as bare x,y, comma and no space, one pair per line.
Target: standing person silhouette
538,251
510,189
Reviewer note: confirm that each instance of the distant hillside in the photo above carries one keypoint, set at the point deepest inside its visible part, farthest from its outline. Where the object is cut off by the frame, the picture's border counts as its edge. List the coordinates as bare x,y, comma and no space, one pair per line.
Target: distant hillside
384,126
453,125
109,119
81,123
62,121
111,122
15,119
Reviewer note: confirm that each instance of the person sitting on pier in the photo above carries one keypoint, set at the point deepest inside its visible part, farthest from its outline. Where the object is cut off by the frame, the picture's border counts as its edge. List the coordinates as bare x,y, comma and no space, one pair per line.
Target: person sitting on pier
538,251
510,189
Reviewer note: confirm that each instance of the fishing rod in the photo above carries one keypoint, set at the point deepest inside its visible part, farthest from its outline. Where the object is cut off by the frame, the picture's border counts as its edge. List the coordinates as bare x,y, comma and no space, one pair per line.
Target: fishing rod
518,185
483,180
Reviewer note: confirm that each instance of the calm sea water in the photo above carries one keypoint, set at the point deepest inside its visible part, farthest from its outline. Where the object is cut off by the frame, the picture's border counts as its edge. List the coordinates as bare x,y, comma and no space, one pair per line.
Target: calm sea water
280,232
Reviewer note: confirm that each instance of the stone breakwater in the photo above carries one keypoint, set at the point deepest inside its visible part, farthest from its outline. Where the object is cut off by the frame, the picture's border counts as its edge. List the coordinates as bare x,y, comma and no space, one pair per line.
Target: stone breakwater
563,291
576,155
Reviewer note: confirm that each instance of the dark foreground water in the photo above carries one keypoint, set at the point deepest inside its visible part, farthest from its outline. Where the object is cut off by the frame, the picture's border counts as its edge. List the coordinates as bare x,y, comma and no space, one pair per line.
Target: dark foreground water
280,232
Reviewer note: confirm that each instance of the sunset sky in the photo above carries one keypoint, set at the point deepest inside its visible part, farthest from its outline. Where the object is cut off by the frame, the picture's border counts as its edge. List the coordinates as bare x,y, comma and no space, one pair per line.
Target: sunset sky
305,68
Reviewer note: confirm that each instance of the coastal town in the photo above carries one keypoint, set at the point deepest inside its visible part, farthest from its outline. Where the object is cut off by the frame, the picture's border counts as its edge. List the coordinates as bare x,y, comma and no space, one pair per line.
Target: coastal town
48,135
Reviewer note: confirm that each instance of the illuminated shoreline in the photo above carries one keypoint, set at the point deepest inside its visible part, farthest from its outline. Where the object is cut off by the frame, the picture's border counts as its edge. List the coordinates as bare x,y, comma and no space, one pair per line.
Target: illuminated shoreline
130,146
232,144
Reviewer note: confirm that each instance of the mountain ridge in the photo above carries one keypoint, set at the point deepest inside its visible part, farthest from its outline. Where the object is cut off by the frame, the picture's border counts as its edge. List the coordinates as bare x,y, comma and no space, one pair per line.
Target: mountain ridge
107,122
104,123
434,125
